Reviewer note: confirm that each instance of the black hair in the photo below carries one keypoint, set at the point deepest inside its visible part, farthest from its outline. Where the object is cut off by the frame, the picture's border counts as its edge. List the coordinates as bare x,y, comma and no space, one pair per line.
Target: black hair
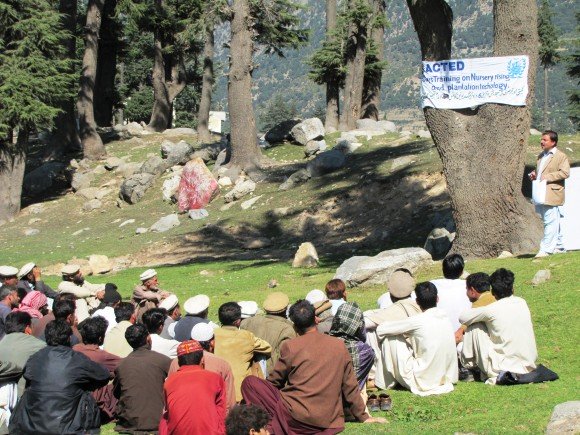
190,359
552,135
124,311
205,344
154,319
17,321
63,308
136,335
93,330
57,333
302,314
453,266
478,281
65,297
21,293
229,312
242,418
502,283
426,294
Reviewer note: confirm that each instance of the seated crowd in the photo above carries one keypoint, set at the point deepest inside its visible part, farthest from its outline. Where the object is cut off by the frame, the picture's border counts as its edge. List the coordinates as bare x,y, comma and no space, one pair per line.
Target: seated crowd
79,357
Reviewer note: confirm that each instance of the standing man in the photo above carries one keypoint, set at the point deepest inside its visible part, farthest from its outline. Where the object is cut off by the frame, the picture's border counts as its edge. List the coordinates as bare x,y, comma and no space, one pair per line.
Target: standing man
147,295
553,168
88,295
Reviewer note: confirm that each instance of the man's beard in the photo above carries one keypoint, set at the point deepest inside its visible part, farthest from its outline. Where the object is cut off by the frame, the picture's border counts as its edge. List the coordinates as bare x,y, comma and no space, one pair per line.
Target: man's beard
79,280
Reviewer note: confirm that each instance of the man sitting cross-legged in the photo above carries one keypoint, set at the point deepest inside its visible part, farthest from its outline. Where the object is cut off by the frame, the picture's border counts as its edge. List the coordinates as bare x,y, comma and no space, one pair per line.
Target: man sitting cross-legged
429,364
500,337
305,391
479,294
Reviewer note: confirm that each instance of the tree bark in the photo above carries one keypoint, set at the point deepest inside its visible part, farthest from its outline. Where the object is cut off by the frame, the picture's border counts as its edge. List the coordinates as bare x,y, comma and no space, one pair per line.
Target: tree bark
483,150
12,165
93,147
206,87
245,152
65,137
546,126
106,66
355,70
372,83
332,87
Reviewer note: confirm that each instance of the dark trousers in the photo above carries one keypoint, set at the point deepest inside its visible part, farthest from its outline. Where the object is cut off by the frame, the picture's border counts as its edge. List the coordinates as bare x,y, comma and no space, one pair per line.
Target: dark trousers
262,393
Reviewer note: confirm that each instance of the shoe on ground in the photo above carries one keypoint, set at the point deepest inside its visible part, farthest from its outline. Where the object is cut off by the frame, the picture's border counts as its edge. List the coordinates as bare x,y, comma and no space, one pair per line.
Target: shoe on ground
560,251
542,254
385,401
466,375
373,403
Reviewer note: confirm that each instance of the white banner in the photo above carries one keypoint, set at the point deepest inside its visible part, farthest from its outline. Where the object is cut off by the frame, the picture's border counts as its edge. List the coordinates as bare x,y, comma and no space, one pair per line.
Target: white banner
462,83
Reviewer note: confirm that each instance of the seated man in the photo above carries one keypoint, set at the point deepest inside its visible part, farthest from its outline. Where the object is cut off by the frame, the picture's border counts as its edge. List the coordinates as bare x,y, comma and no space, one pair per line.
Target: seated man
247,420
9,300
429,364
138,384
111,299
171,305
8,276
57,400
479,294
401,284
274,327
88,295
304,393
153,320
63,309
196,311
29,279
204,415
500,336
148,294
236,346
451,289
336,292
115,341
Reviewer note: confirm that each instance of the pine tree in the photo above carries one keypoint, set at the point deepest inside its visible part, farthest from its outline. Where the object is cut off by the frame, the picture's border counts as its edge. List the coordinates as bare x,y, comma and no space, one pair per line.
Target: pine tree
548,51
574,72
34,80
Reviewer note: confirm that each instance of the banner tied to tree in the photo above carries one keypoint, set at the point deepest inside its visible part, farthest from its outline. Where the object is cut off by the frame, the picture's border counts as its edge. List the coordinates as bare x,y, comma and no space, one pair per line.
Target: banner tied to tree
462,83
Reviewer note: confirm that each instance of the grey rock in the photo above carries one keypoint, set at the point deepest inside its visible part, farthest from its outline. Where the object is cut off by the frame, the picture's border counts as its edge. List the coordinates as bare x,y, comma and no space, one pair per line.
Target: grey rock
250,202
565,419
240,190
210,152
221,159
233,174
387,126
314,147
81,180
100,264
93,204
84,164
88,192
281,212
31,231
154,165
444,219
439,243
541,277
201,213
179,131
170,187
367,124
176,153
505,254
128,169
298,177
423,134
42,178
134,187
363,270
281,132
102,192
99,170
328,161
141,230
306,256
165,223
225,182
308,130
134,129
113,163
347,147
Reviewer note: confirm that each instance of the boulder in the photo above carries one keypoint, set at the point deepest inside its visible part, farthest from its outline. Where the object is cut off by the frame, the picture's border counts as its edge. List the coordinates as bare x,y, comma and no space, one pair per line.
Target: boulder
367,124
179,131
31,231
307,130
240,190
328,161
197,186
93,204
439,243
81,180
565,419
100,264
250,202
198,214
347,147
505,254
102,192
126,170
41,179
225,182
134,187
298,177
221,159
364,270
210,152
134,129
314,147
165,223
423,134
387,126
170,187
541,277
99,170
154,165
176,153
281,132
306,256
88,192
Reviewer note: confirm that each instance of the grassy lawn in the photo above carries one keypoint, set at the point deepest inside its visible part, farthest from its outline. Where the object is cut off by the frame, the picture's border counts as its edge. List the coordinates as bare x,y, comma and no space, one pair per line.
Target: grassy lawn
473,407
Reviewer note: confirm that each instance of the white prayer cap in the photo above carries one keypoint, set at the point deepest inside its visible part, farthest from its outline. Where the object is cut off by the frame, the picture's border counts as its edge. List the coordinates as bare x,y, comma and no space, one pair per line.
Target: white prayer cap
169,303
196,304
8,271
70,269
148,274
171,329
26,269
316,295
249,308
202,332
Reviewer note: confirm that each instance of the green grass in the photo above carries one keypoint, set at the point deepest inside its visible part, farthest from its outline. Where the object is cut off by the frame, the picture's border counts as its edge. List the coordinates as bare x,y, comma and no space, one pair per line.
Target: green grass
472,407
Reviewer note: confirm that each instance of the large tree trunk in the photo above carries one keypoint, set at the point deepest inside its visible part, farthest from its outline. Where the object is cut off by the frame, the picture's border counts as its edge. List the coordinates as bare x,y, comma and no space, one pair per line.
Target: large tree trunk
106,66
12,165
245,152
93,147
65,137
355,70
372,83
483,149
332,88
546,125
206,88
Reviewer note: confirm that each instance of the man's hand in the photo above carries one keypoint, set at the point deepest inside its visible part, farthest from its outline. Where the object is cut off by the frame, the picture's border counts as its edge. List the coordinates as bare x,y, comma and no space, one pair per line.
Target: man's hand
380,420
100,294
459,335
532,175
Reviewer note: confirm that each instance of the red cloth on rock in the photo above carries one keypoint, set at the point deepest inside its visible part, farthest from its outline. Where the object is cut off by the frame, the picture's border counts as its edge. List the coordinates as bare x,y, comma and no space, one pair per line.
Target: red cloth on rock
197,186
